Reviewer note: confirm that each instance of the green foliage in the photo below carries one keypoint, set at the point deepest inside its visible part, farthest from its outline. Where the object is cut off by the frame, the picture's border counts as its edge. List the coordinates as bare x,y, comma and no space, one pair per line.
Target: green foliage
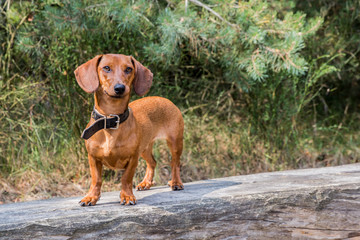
338,37
270,78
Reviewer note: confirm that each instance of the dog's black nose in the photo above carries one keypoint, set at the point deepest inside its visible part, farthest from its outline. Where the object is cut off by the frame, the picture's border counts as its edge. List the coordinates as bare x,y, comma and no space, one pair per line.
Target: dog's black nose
119,88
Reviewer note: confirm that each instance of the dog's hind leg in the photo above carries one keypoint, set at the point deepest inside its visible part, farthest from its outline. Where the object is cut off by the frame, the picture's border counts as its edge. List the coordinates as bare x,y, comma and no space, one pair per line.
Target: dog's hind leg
176,147
150,168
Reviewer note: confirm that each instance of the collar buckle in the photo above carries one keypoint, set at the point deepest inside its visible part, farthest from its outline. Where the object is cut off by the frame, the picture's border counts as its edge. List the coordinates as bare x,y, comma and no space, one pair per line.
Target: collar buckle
117,121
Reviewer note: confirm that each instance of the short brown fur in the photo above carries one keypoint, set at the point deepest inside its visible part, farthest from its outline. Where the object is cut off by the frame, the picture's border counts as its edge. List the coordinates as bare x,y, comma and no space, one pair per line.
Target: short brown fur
149,119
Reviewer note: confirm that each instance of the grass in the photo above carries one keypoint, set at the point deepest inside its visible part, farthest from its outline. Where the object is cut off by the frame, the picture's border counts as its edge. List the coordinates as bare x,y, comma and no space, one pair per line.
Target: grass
213,148
42,155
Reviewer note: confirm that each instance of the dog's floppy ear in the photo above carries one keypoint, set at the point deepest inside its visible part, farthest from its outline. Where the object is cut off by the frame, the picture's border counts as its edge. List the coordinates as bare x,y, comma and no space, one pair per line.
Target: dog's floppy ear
87,76
143,78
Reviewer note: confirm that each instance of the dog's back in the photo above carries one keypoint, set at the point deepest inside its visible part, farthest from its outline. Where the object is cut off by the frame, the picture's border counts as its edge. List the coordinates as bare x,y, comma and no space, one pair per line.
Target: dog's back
165,118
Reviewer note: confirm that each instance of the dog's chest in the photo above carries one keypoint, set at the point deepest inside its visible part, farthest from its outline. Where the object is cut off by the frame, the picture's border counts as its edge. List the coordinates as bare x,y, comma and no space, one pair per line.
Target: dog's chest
112,152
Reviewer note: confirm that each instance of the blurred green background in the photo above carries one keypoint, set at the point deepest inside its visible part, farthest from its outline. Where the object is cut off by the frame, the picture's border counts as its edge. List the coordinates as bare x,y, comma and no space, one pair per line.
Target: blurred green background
262,85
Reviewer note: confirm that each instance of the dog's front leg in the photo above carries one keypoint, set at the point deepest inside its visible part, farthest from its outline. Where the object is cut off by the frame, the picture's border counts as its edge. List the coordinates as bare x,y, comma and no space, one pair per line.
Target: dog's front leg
96,180
126,195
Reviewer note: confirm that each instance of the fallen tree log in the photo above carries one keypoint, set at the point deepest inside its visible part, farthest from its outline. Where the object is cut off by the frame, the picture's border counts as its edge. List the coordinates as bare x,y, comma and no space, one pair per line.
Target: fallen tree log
322,203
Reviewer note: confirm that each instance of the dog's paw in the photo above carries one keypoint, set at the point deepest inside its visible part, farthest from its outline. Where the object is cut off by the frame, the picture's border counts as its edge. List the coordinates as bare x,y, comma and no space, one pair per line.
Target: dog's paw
176,186
144,185
127,200
88,201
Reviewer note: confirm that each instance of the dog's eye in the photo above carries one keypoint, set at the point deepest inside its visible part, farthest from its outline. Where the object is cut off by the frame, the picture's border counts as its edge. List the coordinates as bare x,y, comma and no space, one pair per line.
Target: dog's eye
128,70
107,69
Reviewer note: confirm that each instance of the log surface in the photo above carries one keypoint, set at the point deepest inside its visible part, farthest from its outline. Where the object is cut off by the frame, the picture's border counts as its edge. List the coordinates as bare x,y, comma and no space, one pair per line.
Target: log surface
322,203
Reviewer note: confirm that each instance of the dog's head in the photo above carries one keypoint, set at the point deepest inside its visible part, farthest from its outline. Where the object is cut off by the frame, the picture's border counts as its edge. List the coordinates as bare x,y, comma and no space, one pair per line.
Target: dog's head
115,75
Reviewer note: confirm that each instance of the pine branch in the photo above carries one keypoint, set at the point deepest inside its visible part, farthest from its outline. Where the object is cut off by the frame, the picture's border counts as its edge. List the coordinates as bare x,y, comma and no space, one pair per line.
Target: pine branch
200,4
95,6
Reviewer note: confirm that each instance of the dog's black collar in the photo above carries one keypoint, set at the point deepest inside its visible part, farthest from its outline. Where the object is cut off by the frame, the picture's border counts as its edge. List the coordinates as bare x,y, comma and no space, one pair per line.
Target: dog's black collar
104,122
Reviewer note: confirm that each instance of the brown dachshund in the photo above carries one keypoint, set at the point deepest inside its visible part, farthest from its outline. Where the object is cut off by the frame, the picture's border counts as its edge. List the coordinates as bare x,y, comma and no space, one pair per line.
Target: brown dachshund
118,132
